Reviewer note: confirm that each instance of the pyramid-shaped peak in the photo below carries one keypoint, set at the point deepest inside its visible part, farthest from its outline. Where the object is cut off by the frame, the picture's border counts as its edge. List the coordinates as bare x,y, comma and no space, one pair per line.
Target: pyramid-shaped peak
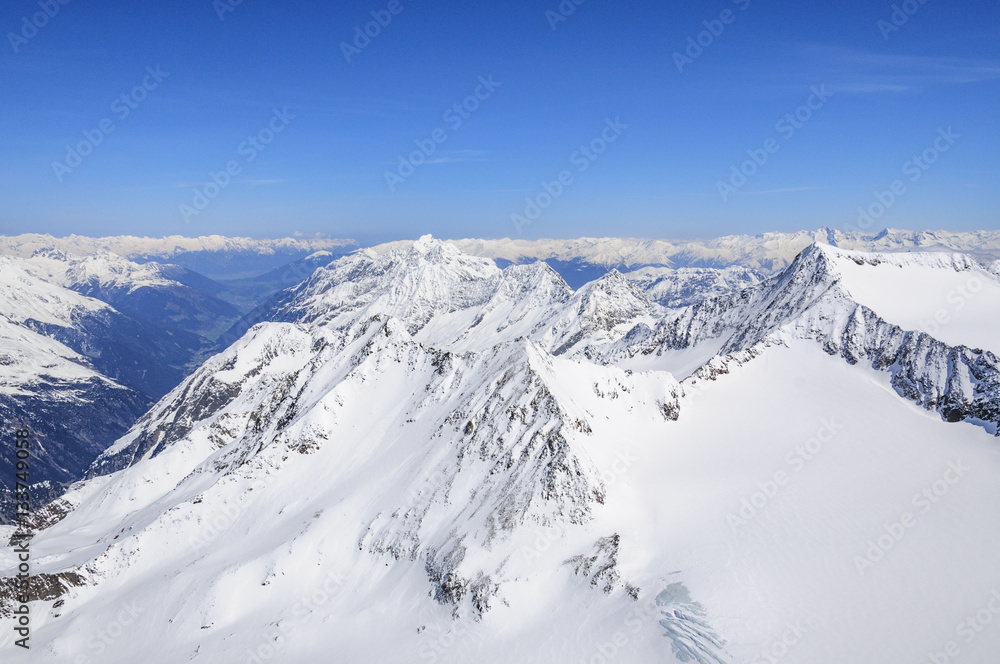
428,243
613,281
429,248
424,242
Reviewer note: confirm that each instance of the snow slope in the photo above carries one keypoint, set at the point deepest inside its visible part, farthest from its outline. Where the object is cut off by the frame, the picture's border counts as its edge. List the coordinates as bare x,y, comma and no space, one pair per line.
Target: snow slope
23,297
151,292
366,479
223,545
949,296
814,300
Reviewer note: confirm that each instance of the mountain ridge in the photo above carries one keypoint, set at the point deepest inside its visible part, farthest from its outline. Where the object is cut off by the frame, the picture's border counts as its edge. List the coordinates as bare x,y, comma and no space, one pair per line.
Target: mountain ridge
486,452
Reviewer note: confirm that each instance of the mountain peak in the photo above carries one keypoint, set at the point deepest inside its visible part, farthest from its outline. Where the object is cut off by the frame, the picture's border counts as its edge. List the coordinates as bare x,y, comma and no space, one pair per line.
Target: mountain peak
616,284
427,243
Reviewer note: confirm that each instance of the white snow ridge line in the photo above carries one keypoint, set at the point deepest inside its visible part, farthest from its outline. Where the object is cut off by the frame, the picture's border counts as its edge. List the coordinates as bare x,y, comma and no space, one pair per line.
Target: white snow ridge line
500,468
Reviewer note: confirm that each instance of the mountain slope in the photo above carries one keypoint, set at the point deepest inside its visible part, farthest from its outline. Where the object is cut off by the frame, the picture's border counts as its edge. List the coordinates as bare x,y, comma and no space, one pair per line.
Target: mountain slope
863,307
235,527
151,293
491,442
417,467
454,300
75,370
73,412
685,286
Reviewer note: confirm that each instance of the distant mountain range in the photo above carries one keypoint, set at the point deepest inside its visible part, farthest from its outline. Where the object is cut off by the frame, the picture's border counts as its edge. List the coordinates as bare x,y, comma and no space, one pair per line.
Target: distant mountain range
124,333
213,256
483,463
498,441
768,252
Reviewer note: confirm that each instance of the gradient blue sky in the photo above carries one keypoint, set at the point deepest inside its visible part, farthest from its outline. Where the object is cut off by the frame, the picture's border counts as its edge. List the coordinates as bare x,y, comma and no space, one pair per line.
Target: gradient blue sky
326,172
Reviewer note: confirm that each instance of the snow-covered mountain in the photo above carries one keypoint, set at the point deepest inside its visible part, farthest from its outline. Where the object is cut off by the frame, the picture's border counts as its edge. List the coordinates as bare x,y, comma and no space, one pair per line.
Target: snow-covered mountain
86,344
450,299
768,252
52,341
74,411
133,247
213,256
685,286
138,351
150,292
417,456
926,319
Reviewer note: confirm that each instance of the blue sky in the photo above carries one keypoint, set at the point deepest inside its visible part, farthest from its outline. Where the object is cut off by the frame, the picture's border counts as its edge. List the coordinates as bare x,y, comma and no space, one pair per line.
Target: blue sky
890,91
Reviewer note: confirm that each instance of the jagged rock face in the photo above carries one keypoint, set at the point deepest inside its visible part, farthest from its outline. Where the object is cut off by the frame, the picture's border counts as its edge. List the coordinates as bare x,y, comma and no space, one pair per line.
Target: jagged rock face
67,437
456,438
600,566
497,450
430,279
599,313
810,300
448,299
53,345
525,301
44,587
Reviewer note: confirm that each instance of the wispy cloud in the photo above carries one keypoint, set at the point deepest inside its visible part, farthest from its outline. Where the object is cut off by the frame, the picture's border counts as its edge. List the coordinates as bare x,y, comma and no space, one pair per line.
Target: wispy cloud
783,190
457,156
195,183
454,157
763,192
859,72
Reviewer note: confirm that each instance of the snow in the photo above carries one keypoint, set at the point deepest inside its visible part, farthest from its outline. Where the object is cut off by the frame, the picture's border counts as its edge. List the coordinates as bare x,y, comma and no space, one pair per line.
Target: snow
680,362
792,563
795,560
450,299
144,247
26,357
103,270
768,252
945,295
685,286
431,440
26,354
23,296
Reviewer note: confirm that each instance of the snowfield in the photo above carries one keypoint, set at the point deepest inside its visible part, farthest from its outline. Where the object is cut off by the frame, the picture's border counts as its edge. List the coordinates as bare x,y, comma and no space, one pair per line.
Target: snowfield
415,456
948,296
